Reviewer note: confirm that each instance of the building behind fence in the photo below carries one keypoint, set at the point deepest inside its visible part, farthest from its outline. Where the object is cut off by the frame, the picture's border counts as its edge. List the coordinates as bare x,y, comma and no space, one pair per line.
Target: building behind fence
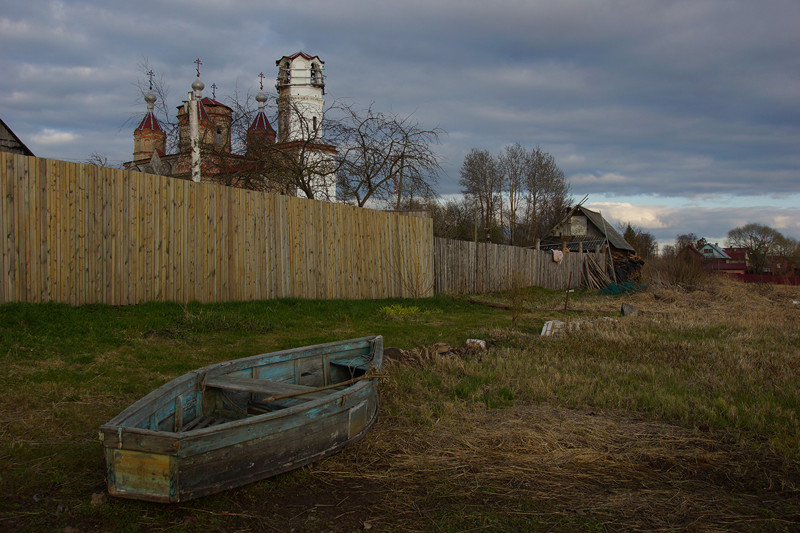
82,234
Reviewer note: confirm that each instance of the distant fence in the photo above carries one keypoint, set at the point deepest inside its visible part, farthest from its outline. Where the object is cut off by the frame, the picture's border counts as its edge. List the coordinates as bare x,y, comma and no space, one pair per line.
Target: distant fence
81,234
459,269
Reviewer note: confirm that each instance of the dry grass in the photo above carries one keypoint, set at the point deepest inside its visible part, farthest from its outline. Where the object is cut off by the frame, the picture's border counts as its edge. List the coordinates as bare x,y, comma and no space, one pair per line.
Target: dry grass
672,270
531,466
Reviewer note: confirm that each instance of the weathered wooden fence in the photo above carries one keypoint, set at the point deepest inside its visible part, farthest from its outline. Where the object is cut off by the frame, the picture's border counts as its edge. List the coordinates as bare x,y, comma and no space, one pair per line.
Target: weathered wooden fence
461,270
80,234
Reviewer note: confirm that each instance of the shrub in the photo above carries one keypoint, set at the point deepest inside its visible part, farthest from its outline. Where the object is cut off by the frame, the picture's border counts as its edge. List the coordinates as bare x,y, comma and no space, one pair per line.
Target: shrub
668,271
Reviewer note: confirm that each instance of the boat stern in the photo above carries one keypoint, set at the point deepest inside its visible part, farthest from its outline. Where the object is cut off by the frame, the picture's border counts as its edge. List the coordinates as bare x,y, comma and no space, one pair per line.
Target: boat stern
141,475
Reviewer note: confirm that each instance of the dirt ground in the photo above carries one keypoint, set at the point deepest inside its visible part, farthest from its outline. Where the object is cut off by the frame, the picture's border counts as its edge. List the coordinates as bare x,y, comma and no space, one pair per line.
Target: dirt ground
535,468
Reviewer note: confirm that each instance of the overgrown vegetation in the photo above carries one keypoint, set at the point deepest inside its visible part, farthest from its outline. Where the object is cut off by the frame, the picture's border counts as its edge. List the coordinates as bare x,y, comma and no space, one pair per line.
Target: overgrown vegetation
671,270
684,415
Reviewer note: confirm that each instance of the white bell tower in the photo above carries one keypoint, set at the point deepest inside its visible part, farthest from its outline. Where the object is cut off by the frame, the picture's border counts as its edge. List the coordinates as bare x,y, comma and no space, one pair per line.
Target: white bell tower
301,87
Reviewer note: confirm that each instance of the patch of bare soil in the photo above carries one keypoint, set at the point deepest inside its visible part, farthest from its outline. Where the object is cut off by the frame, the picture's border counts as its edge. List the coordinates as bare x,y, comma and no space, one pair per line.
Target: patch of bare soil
550,468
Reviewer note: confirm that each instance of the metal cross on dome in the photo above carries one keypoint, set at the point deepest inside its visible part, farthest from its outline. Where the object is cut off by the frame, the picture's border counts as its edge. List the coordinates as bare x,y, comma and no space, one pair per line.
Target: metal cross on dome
213,90
150,75
198,63
261,83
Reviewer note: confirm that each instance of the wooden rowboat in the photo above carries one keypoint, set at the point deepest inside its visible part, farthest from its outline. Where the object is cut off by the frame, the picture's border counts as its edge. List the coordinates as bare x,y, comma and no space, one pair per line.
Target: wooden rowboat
236,422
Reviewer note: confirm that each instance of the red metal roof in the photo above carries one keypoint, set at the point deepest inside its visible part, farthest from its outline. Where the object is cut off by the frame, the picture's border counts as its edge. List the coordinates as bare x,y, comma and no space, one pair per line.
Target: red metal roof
201,107
737,254
149,122
212,102
261,123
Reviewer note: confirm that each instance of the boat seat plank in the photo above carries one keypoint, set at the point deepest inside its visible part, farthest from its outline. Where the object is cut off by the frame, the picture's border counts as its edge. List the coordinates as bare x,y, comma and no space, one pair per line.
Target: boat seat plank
261,386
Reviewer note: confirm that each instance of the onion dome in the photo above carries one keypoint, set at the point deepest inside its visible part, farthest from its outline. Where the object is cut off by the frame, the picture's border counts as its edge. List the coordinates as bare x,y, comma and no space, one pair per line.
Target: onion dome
260,128
198,86
150,122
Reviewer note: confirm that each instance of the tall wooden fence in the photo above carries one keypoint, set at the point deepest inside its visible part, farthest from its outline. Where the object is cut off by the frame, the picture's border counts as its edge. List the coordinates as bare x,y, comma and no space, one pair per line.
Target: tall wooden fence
460,269
82,234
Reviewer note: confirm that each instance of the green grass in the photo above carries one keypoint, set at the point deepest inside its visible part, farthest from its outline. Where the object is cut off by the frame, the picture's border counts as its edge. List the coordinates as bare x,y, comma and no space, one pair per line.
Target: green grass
67,370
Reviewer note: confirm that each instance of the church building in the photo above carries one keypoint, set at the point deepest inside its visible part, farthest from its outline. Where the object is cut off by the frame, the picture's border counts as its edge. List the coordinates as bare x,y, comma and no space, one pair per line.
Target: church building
293,160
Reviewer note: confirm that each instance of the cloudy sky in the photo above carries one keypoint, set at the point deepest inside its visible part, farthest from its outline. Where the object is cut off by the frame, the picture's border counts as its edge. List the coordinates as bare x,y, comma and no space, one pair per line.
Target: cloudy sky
679,116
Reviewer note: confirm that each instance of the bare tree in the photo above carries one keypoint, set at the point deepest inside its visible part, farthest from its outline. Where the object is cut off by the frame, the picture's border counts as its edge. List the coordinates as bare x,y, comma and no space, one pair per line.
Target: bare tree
787,247
530,182
515,163
99,160
243,112
481,181
685,240
383,156
642,241
453,219
545,193
759,240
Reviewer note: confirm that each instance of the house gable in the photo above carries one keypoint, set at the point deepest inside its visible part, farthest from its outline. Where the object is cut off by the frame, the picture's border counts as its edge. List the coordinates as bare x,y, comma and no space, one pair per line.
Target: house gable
9,142
582,225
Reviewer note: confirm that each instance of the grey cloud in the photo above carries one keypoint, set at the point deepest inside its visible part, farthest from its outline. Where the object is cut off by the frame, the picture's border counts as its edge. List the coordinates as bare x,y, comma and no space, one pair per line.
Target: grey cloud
685,98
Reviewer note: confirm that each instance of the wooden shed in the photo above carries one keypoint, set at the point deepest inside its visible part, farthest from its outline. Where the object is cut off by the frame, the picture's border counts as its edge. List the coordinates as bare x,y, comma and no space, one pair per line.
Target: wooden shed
585,229
9,142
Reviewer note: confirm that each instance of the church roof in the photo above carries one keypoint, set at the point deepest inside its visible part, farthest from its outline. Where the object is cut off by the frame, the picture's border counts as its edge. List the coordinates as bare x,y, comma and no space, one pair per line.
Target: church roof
211,102
201,107
149,122
261,123
299,54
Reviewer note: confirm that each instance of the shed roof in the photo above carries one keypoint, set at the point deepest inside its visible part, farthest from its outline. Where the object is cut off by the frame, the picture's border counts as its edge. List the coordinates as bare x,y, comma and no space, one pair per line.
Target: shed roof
18,146
614,238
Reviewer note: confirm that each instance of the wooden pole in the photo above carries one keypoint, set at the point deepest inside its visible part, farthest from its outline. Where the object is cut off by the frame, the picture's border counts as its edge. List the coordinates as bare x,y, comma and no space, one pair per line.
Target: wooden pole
610,258
475,289
569,283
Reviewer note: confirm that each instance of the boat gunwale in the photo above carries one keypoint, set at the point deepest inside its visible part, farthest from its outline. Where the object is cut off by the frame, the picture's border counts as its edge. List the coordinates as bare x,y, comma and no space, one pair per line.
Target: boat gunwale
249,420
115,424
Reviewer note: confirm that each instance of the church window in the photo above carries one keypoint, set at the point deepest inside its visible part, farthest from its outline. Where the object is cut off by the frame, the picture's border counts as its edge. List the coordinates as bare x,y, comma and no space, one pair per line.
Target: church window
315,123
219,135
286,73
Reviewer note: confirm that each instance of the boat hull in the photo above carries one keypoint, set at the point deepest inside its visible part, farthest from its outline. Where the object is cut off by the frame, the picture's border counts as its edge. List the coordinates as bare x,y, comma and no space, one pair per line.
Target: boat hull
144,461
